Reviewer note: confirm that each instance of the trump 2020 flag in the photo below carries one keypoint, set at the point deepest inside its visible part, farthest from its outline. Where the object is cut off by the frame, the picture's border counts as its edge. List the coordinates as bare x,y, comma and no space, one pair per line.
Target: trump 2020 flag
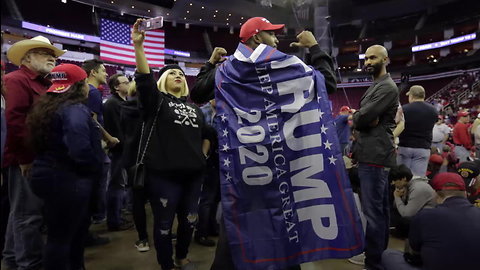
285,194
116,44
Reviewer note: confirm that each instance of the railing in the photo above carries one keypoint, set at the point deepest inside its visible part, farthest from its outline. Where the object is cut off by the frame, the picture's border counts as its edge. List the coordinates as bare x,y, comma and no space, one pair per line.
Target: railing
461,96
443,90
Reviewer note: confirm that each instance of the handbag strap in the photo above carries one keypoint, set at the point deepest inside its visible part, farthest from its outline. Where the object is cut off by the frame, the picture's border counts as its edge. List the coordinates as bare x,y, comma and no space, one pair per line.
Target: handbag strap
149,135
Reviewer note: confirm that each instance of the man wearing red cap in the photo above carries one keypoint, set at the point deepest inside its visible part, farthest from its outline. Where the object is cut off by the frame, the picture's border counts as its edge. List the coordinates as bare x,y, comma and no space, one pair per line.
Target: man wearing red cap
441,238
256,31
461,136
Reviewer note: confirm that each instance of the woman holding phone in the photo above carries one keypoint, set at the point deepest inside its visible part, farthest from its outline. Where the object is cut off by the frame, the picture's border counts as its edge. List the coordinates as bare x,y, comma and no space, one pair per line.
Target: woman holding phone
175,154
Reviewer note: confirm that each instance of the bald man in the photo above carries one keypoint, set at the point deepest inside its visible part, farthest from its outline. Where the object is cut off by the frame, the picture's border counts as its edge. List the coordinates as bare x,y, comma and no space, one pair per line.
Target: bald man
416,138
375,153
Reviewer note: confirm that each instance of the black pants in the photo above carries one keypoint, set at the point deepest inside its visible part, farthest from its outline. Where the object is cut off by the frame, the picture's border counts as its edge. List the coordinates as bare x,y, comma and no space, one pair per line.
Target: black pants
209,198
139,215
401,224
5,209
223,256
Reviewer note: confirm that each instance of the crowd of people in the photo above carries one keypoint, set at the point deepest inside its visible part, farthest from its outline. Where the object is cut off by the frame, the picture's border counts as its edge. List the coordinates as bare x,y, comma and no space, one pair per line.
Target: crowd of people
71,160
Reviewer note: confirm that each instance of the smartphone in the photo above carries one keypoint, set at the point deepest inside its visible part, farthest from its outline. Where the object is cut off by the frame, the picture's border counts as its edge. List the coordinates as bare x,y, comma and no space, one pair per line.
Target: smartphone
150,24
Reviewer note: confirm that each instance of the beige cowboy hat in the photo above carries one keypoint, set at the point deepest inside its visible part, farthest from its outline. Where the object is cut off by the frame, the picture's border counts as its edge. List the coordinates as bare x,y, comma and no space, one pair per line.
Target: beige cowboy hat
19,49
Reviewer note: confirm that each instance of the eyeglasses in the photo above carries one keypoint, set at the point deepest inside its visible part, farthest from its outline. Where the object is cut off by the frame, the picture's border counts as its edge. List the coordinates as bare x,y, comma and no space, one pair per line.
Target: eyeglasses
45,53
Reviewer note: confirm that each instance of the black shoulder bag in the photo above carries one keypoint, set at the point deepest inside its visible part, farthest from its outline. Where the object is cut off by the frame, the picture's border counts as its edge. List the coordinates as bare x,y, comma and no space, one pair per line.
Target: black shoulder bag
138,171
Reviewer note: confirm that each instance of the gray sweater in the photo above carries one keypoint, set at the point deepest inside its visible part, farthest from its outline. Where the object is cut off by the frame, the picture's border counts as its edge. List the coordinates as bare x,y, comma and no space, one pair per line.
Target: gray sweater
420,195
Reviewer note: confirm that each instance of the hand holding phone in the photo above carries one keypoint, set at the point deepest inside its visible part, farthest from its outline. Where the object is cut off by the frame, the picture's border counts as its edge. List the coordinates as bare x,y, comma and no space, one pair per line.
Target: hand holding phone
150,24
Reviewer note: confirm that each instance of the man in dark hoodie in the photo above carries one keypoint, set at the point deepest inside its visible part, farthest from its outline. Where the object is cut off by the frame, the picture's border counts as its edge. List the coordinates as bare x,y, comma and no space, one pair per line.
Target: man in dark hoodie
119,85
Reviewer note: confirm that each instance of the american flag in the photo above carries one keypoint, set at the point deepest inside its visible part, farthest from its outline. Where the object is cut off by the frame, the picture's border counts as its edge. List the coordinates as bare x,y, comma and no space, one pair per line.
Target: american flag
116,44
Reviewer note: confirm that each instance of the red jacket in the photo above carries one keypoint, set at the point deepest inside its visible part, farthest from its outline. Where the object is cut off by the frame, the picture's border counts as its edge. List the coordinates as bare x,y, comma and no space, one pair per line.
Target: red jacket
24,87
461,135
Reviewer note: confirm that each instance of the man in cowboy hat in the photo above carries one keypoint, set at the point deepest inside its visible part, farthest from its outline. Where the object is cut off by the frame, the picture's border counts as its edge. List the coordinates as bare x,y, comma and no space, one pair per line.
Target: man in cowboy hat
36,58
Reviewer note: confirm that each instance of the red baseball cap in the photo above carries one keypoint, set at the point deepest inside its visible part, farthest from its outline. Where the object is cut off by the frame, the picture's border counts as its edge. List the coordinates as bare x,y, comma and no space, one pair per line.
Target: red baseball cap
65,75
448,181
345,109
436,158
462,114
256,24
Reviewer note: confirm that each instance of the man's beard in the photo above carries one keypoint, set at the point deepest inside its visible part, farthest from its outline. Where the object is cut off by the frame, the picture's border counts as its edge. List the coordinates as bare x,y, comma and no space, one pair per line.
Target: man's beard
43,68
374,69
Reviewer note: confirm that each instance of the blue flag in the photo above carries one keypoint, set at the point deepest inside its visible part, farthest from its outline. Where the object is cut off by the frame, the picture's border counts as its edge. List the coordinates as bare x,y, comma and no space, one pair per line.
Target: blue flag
286,196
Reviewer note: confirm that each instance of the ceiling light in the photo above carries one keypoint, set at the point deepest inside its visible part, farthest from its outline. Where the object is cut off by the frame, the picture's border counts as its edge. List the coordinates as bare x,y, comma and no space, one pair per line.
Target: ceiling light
214,15
184,18
168,14
241,18
203,7
191,4
240,24
188,11
229,14
227,19
112,2
148,10
216,11
200,19
227,23
64,1
133,6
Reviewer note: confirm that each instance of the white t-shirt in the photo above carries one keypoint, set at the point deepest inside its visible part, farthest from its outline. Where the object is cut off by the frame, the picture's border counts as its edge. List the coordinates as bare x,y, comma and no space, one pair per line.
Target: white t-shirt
439,132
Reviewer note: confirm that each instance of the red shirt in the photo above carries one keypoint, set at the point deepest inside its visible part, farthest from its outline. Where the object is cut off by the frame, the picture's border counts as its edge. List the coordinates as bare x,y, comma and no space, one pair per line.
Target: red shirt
461,135
24,87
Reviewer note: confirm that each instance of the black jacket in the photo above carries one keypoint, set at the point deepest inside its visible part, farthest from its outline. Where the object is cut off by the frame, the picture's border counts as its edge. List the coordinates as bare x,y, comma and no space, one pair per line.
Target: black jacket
176,142
112,122
204,88
131,120
447,236
375,144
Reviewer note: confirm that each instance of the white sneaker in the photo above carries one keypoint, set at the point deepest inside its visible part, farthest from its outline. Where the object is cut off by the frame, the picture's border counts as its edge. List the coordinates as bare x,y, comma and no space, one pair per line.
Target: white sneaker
142,245
358,260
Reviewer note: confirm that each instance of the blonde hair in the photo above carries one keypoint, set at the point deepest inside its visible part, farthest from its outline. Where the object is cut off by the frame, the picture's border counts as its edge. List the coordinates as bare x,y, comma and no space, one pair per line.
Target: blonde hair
132,89
163,79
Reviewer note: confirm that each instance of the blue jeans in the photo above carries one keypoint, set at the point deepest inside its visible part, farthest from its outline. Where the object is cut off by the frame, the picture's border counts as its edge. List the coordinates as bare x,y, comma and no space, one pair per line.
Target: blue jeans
170,194
23,240
374,190
393,260
416,159
67,198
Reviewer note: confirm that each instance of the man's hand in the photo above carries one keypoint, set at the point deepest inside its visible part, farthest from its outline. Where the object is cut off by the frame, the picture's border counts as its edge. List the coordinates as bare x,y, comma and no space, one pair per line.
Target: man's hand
399,192
138,36
25,169
305,40
112,142
217,55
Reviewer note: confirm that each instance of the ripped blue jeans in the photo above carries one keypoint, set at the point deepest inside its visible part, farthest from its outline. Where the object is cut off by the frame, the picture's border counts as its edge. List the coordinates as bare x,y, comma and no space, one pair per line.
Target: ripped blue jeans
171,194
